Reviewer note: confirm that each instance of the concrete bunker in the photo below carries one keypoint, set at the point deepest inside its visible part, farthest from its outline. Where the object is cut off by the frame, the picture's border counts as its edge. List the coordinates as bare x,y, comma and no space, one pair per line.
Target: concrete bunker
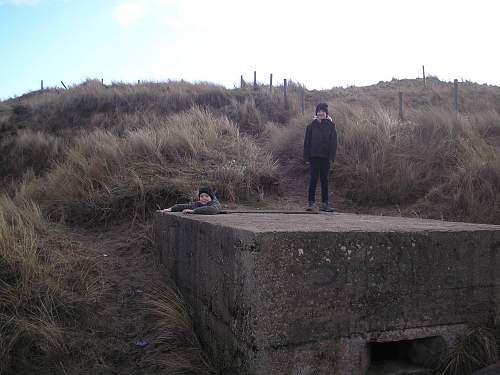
329,294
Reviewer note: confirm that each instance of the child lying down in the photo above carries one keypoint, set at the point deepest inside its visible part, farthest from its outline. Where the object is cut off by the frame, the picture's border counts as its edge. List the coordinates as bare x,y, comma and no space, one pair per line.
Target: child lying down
207,204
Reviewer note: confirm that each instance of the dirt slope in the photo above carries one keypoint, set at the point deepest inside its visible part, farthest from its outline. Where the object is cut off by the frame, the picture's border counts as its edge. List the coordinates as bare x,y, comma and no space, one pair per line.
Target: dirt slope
123,335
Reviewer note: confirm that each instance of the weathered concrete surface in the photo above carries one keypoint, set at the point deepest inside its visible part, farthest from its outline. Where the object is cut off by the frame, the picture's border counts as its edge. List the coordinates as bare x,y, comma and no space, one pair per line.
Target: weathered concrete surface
304,294
490,370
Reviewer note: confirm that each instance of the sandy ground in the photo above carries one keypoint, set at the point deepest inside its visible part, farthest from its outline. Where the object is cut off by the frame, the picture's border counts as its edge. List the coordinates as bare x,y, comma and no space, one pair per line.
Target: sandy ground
121,324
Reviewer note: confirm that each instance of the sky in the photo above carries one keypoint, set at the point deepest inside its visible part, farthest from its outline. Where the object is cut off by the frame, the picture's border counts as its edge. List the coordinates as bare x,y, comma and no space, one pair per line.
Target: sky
319,43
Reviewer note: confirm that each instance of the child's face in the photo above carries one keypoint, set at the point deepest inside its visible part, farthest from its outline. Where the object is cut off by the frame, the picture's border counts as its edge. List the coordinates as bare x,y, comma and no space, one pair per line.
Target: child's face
321,115
205,198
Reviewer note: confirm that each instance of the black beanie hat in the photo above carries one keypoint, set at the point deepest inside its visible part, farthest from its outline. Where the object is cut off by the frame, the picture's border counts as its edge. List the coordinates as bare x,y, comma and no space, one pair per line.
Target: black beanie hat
206,190
322,107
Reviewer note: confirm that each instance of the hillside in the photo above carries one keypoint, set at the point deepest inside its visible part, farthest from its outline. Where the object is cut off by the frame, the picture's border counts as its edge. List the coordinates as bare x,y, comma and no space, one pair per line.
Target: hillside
83,169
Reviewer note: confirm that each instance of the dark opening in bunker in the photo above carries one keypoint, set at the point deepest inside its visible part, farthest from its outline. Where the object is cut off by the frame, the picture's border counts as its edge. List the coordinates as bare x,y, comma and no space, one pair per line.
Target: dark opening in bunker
394,356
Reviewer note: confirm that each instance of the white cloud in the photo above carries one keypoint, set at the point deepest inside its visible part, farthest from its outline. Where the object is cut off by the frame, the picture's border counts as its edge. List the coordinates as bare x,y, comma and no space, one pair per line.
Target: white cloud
129,12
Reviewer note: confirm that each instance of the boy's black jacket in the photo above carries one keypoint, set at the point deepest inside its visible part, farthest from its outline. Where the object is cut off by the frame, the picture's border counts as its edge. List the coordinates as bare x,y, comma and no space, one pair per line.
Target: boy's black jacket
320,140
211,208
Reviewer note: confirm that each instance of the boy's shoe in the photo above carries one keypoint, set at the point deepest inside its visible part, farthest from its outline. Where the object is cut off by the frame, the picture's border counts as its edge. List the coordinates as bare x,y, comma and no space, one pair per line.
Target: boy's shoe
311,206
325,206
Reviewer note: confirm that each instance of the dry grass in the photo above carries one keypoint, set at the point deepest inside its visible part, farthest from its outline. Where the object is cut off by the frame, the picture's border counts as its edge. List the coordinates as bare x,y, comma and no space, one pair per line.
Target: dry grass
45,289
91,104
436,164
475,349
105,176
473,98
5,112
27,149
98,154
177,349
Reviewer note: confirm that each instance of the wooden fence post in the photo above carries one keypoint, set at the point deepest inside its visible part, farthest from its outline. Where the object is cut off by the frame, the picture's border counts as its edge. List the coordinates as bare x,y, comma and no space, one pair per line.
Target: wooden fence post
102,81
41,84
284,92
423,75
255,80
271,82
455,93
401,113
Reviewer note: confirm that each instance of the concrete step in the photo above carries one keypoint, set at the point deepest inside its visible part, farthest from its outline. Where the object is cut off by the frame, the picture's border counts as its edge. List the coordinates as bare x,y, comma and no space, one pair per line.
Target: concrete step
396,368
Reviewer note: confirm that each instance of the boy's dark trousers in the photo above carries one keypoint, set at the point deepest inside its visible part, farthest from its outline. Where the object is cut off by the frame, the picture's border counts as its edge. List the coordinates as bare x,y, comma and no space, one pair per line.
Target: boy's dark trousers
319,167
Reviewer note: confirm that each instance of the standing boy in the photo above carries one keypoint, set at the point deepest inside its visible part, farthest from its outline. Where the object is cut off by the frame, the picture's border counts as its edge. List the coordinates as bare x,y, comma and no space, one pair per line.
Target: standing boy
320,147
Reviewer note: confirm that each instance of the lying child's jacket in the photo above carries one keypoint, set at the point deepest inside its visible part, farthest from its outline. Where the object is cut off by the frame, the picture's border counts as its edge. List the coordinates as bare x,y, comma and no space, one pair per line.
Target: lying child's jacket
211,208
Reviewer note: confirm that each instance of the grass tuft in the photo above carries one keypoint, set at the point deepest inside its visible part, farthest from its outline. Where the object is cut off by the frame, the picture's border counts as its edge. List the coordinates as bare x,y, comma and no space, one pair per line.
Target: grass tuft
475,349
46,287
178,350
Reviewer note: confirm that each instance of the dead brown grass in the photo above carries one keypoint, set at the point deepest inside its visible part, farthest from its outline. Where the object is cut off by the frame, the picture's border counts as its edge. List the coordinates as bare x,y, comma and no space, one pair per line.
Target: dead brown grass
436,164
177,349
474,350
46,286
91,104
98,154
28,150
105,176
